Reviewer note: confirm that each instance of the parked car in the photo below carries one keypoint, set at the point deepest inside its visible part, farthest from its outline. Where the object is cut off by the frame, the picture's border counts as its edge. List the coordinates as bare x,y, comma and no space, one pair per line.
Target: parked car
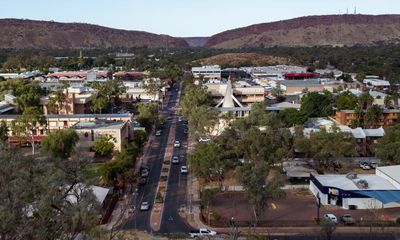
142,180
330,217
184,170
347,219
144,171
365,165
177,144
204,139
180,119
202,232
158,133
373,164
144,206
175,160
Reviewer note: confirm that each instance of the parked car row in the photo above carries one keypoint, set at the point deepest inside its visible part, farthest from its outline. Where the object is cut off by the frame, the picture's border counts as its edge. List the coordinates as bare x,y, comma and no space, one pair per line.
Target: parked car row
346,219
368,165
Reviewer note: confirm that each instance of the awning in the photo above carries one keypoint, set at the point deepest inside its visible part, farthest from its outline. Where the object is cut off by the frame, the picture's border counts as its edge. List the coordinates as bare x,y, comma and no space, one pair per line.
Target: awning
385,196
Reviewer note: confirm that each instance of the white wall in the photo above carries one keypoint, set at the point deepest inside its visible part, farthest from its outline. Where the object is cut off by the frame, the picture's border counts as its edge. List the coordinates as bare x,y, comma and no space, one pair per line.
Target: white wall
315,191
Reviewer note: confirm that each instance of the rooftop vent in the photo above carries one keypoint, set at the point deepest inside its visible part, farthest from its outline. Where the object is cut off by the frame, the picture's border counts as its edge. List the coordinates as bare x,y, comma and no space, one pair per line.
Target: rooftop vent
362,184
351,175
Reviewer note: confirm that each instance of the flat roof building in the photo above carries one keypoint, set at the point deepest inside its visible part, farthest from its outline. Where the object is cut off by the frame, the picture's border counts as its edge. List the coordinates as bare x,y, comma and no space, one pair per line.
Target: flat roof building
359,191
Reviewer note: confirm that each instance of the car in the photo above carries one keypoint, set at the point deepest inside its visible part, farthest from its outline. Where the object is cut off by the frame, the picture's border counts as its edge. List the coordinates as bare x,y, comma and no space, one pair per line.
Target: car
177,144
145,206
176,89
180,119
185,131
373,164
142,180
184,170
331,217
175,160
144,173
365,165
158,133
347,219
204,139
202,232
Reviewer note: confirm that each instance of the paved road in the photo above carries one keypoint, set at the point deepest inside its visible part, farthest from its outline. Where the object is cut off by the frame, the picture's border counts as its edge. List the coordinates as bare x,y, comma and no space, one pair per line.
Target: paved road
175,197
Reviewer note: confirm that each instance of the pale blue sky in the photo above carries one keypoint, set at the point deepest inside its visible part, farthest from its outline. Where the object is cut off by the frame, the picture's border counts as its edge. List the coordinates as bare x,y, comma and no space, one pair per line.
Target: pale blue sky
184,18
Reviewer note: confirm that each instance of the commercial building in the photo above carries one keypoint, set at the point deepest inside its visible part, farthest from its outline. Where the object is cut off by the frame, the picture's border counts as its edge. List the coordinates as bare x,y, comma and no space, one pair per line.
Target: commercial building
58,122
293,87
79,76
359,191
90,131
207,72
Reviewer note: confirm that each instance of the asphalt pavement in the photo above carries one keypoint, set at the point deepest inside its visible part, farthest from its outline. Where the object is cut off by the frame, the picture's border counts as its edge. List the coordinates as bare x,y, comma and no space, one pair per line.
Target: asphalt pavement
176,193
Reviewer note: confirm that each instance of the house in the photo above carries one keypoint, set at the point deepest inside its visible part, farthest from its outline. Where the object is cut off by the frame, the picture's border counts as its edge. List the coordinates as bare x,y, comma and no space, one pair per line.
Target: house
375,83
359,191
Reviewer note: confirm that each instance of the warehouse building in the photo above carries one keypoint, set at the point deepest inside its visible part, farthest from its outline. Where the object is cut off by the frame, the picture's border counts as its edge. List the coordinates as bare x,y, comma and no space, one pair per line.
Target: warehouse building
359,191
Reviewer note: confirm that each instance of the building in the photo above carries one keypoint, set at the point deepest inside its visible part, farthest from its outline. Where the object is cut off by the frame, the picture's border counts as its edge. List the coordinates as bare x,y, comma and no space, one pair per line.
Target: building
293,87
359,191
90,131
130,76
235,73
79,76
389,117
77,101
243,93
58,122
375,83
207,72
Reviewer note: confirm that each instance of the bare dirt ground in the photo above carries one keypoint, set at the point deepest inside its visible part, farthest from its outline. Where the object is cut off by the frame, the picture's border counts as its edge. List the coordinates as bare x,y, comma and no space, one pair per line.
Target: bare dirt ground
298,205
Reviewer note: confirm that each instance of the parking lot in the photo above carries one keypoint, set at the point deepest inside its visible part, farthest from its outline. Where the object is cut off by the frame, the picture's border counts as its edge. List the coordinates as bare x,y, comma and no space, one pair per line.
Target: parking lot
297,206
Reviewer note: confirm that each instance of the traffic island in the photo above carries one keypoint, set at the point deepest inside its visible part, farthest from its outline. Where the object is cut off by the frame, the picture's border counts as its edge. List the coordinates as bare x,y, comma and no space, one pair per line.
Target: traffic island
158,206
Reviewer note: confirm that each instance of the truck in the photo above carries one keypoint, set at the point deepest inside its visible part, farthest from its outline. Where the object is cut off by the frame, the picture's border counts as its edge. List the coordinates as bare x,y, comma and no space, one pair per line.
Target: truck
202,232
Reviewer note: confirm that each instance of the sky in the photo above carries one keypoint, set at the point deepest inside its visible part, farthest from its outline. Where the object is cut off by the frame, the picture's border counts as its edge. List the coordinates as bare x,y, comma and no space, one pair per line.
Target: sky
185,18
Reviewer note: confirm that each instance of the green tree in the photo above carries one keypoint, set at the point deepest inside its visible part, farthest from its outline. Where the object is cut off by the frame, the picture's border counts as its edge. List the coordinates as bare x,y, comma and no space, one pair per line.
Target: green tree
60,143
3,131
43,198
56,102
316,105
195,95
372,115
346,101
148,115
99,102
365,101
152,86
104,145
388,147
252,175
324,146
292,117
205,160
26,125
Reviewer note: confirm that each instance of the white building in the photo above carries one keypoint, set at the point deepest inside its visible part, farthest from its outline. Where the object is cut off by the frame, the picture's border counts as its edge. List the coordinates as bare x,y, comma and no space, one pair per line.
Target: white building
208,72
359,191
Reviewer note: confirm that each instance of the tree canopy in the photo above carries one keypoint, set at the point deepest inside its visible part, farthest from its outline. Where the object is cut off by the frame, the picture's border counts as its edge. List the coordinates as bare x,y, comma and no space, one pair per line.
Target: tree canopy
316,105
60,143
388,147
104,145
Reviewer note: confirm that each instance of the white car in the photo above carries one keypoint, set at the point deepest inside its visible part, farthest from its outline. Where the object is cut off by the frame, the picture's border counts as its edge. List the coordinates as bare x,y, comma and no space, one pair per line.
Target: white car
330,217
175,160
204,139
177,144
365,165
144,206
184,169
158,133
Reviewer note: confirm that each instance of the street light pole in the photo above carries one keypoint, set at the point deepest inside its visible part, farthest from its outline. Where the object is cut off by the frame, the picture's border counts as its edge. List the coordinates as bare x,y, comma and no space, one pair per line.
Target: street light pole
318,206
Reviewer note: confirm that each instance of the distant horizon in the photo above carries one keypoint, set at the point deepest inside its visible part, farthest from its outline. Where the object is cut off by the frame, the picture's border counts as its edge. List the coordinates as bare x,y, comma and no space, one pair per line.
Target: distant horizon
72,22
189,18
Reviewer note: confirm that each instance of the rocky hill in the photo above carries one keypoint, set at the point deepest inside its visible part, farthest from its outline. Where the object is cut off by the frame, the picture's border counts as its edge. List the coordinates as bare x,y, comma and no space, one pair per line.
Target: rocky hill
196,41
329,30
244,59
24,34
